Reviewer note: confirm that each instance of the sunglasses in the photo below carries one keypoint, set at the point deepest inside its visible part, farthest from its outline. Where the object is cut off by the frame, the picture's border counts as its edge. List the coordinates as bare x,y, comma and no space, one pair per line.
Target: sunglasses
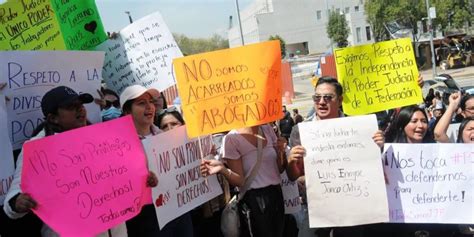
114,103
326,98
168,110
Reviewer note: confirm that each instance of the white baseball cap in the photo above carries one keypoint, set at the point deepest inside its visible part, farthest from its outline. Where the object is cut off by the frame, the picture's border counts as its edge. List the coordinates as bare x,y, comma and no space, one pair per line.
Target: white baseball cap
135,91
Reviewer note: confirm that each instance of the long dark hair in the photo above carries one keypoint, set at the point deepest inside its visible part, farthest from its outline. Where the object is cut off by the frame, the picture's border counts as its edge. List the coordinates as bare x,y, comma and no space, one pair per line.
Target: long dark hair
396,132
462,127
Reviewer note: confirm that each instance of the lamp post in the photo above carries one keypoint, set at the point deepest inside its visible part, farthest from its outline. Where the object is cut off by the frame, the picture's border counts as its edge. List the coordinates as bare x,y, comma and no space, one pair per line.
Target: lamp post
430,28
327,16
129,16
240,23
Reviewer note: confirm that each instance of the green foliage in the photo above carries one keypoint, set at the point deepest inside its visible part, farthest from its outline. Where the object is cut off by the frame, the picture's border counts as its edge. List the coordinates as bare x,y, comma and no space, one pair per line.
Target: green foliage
408,12
454,13
405,12
282,44
338,29
191,46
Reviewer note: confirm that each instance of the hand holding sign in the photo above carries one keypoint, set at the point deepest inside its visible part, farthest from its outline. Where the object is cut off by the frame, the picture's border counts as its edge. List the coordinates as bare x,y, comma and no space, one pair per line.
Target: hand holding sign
177,161
342,165
24,203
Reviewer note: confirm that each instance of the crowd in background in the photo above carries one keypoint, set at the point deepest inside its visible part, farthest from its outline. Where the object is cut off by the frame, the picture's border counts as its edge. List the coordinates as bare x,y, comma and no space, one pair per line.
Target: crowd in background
276,147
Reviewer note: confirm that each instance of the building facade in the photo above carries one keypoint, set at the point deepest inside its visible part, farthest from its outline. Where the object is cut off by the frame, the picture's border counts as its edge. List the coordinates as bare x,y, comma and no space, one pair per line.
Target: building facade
301,24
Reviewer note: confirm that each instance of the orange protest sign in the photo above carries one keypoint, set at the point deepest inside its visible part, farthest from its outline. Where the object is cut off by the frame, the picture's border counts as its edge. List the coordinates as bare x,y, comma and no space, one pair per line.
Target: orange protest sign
231,88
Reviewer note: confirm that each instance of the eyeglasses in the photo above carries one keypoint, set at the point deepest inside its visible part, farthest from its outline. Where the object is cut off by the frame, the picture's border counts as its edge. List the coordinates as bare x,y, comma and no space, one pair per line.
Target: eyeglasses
326,98
168,110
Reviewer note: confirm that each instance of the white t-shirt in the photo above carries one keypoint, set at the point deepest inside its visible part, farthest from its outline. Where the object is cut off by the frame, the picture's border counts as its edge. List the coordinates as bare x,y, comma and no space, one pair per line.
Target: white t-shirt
235,146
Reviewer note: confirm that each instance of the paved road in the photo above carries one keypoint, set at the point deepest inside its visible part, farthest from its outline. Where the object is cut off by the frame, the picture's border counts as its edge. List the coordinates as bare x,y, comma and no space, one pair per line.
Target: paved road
304,90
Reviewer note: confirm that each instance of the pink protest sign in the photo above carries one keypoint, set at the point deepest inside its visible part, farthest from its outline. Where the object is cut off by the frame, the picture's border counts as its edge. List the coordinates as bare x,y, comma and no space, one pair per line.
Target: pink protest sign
87,180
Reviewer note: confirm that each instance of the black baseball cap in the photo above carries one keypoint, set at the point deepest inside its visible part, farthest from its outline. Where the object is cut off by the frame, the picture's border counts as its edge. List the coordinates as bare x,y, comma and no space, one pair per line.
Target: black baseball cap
60,96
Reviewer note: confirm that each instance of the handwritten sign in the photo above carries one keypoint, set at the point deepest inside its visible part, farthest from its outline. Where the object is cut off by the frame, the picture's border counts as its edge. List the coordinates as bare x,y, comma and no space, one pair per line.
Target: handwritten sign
343,169
230,88
7,168
430,183
176,161
378,76
80,23
87,180
142,54
29,77
29,25
291,195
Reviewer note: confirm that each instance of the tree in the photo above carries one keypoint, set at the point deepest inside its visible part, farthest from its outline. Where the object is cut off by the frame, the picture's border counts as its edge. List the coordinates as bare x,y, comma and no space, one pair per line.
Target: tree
191,46
338,29
453,14
381,12
408,12
282,44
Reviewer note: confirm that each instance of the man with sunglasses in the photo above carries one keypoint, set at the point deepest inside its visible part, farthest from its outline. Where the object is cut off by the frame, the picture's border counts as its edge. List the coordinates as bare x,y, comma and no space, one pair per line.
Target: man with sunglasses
327,103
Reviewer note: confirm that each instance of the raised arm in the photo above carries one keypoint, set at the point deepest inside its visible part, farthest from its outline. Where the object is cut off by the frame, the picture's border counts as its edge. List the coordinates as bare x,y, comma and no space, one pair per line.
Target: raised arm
443,123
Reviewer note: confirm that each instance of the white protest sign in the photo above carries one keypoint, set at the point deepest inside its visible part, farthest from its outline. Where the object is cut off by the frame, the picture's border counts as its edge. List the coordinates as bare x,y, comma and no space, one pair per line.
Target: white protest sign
176,161
141,54
452,132
30,74
291,195
430,183
6,153
344,176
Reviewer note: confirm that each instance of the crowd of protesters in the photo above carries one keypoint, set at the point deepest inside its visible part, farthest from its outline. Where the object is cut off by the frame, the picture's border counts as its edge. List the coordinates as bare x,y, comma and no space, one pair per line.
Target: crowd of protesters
276,149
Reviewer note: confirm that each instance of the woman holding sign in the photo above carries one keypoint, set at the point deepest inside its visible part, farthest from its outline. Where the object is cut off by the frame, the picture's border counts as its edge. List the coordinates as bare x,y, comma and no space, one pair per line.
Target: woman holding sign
64,110
141,104
263,197
411,126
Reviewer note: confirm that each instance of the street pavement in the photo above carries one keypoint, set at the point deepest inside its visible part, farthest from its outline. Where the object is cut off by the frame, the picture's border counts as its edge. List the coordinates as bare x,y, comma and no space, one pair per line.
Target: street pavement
303,89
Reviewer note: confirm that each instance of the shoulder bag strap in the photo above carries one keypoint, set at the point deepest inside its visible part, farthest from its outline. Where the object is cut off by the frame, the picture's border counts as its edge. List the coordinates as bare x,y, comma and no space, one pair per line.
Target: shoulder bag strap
254,171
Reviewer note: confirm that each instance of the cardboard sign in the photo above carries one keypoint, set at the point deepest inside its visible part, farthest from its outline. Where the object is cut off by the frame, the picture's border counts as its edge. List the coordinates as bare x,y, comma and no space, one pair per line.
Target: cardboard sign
30,74
80,23
141,54
343,169
7,168
87,180
50,25
176,161
291,195
29,25
230,88
378,76
430,183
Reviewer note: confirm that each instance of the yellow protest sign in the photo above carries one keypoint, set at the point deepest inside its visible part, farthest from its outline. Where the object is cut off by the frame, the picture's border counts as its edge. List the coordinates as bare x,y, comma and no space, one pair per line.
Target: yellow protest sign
378,76
29,25
231,88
